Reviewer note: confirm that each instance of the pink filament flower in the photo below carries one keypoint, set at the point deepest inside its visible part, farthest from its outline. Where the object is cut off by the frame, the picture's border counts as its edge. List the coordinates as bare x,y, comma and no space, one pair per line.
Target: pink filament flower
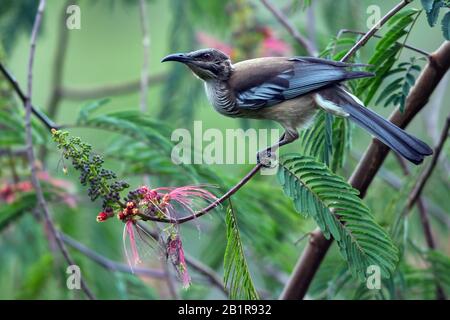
273,46
187,198
175,254
166,202
129,230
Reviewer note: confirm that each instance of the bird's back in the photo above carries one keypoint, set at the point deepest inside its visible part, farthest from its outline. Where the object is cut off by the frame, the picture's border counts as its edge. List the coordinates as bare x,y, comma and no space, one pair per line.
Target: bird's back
264,82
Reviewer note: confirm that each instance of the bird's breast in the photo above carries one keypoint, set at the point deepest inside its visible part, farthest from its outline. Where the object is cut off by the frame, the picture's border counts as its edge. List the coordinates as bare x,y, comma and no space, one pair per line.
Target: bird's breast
221,98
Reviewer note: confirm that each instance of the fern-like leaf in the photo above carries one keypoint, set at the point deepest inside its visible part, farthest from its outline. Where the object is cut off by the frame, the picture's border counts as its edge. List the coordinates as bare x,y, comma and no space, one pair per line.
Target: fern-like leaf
339,212
236,274
398,90
385,54
317,140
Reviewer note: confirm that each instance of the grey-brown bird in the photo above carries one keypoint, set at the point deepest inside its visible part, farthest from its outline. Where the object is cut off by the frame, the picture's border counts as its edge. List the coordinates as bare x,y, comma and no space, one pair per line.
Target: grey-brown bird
291,90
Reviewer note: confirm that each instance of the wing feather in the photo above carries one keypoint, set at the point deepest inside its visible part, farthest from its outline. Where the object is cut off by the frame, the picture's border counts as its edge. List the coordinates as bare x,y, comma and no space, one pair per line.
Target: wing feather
269,81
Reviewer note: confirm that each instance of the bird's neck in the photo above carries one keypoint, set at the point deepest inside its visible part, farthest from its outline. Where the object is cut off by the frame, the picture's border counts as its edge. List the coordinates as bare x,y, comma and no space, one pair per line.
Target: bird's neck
221,96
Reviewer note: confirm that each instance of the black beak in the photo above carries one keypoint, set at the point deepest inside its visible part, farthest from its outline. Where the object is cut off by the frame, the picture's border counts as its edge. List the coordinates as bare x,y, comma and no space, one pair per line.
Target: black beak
180,57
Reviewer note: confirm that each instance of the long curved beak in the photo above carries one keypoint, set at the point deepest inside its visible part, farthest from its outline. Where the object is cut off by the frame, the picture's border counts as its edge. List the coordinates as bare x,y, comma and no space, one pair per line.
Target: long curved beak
180,57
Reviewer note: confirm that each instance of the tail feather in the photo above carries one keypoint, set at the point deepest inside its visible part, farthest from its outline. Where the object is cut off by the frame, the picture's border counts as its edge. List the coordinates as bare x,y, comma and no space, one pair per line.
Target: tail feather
394,137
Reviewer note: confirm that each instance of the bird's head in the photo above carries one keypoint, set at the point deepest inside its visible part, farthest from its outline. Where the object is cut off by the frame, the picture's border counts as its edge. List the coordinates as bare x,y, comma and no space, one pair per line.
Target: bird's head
207,64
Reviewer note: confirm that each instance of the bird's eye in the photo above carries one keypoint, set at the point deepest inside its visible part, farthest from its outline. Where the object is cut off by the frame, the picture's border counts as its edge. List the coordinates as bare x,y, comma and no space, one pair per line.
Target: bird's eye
207,56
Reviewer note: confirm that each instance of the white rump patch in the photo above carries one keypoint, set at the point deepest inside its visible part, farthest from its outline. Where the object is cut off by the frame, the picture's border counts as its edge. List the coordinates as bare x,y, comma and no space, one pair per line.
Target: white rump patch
354,98
330,106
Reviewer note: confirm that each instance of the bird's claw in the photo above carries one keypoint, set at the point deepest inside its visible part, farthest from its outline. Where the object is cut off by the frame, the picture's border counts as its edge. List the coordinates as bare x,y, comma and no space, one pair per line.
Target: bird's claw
266,158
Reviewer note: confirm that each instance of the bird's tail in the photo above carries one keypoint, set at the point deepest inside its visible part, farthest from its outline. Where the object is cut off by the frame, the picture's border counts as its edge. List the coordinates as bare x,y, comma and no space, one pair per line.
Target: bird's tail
395,138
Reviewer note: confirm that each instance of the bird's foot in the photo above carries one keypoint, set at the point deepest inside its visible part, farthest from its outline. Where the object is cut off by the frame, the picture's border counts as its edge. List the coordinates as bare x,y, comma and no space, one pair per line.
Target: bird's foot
266,158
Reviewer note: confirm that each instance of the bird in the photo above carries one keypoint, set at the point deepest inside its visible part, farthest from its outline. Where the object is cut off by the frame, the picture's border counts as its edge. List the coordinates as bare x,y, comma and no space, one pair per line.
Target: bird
291,91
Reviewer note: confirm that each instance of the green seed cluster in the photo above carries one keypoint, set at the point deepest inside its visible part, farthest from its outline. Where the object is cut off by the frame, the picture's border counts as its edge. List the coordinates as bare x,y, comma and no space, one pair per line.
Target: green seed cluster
102,183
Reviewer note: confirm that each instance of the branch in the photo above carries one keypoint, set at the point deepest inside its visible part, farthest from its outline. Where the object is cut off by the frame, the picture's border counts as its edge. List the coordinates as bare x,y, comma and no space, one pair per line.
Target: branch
146,47
302,41
423,213
110,264
15,85
374,29
342,31
195,264
58,64
211,206
418,188
29,144
80,94
396,183
368,167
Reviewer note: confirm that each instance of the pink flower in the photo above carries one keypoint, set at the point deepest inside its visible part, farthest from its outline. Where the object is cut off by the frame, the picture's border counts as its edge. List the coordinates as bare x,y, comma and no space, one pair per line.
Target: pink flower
129,230
7,193
273,46
175,254
104,215
163,202
187,199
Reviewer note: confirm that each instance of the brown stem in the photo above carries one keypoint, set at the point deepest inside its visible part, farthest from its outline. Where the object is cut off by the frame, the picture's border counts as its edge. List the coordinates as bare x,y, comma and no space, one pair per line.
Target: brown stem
30,153
284,21
213,205
375,28
146,47
197,265
57,72
423,212
58,65
418,188
15,85
368,167
342,31
110,264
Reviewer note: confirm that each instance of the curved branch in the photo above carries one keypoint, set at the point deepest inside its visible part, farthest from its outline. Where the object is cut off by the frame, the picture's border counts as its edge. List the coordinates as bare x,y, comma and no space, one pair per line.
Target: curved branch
417,190
213,205
375,28
303,42
423,52
15,85
30,153
110,264
368,166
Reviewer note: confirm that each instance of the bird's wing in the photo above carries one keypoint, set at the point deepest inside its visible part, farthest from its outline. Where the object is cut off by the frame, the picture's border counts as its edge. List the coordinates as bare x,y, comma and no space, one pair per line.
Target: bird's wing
264,82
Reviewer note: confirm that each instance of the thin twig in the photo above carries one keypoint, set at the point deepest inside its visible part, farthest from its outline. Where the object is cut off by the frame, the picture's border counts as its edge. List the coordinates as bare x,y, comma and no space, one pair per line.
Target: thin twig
426,225
15,153
197,265
57,72
146,47
284,21
311,24
15,85
423,52
318,245
367,168
30,153
80,94
418,188
110,264
211,206
396,183
58,63
374,29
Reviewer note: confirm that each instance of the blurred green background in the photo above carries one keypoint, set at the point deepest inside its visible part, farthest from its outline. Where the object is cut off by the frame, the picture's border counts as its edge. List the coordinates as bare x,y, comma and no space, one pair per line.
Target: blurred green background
108,51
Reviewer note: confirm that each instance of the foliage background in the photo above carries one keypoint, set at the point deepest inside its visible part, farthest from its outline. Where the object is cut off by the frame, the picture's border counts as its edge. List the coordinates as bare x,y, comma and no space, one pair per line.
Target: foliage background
108,50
